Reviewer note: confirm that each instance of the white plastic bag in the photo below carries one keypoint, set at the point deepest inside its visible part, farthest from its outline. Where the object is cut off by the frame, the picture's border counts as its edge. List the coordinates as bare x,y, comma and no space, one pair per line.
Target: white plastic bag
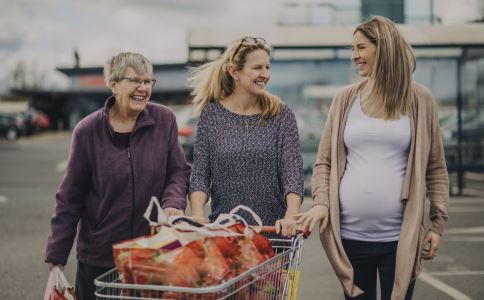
58,287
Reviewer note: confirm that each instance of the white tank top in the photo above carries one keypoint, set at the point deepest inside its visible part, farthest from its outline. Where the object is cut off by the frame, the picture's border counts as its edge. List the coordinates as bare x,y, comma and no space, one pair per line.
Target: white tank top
371,187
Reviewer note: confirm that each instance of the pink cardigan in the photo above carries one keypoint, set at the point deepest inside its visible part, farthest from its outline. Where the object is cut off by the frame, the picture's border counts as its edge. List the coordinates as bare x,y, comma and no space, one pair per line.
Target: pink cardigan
426,177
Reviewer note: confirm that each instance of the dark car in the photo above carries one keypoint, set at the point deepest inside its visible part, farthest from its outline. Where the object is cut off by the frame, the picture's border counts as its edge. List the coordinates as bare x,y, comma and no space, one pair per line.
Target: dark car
10,126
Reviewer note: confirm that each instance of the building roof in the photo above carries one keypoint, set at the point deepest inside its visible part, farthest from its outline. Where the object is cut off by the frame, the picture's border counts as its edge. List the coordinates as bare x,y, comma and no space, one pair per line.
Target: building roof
457,35
99,70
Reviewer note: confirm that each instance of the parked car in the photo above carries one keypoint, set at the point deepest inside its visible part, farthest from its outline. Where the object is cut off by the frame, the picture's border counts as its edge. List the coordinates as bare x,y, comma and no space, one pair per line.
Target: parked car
11,126
187,133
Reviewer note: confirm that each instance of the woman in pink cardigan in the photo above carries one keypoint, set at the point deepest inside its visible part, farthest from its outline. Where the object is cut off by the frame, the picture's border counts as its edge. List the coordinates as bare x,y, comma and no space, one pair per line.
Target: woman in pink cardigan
379,159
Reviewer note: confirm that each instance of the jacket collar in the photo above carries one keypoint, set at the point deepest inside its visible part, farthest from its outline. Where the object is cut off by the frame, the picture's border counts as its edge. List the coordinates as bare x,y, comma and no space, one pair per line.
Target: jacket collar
145,118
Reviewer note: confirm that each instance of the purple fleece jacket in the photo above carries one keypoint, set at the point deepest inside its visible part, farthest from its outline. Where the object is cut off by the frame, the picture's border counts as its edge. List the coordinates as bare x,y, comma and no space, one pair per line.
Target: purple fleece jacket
106,188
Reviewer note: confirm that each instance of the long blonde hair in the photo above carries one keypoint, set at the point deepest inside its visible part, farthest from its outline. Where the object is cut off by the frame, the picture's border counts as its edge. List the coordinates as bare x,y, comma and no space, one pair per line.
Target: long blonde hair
212,82
393,67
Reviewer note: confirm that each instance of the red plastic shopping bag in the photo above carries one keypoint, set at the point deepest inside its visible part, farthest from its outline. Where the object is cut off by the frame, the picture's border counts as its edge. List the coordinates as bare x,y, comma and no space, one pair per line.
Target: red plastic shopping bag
58,287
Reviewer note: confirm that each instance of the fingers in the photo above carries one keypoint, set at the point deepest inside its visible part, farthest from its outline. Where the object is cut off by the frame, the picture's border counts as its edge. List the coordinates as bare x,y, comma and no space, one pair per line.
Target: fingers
171,211
278,226
286,227
50,266
433,247
323,224
303,223
313,222
200,219
431,243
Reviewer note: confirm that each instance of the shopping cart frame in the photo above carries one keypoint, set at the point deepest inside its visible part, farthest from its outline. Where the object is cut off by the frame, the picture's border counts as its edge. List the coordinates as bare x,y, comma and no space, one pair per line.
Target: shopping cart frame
275,278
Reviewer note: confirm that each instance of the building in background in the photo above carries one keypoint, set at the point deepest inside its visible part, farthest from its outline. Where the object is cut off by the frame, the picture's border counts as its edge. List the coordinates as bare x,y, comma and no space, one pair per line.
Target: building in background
311,61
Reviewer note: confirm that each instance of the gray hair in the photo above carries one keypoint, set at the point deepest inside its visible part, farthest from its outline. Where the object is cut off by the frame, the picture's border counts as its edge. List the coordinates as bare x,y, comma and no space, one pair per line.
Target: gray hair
117,65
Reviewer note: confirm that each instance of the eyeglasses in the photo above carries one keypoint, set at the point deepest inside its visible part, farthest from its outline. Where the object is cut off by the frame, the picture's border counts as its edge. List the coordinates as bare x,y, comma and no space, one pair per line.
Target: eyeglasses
137,81
255,40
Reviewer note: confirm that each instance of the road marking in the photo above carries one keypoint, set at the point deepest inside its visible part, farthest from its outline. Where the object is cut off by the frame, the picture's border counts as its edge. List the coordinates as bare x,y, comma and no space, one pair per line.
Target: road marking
456,273
466,209
445,288
467,201
478,239
61,166
3,199
465,230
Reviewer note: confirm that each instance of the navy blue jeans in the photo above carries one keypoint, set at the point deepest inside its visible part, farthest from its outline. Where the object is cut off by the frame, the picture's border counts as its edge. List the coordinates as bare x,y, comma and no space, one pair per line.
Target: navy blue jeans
369,257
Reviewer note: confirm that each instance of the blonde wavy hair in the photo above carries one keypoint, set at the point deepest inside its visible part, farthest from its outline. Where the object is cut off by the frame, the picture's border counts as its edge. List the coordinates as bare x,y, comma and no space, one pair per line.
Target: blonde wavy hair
393,67
212,82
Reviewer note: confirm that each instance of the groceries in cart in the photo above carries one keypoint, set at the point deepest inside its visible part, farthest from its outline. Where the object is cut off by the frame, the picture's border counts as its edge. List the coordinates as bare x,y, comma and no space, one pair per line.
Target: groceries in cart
186,255
224,260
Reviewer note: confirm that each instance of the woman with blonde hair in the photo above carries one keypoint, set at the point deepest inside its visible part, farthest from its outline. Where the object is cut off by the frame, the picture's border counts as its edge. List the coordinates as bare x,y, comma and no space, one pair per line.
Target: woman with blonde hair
247,147
379,158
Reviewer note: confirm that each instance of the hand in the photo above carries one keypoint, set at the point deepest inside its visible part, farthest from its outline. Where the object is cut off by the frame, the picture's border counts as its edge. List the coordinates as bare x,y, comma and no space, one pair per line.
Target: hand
51,266
199,218
312,216
430,245
286,227
171,211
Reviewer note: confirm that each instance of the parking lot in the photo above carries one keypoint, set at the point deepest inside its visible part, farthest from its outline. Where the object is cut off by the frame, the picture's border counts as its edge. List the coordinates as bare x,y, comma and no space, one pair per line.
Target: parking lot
31,169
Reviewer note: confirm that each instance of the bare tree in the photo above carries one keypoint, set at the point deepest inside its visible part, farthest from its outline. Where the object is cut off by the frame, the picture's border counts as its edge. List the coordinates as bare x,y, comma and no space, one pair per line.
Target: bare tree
26,76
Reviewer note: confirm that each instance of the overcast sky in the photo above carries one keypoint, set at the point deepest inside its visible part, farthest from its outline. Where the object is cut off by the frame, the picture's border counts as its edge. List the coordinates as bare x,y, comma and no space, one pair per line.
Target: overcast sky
44,33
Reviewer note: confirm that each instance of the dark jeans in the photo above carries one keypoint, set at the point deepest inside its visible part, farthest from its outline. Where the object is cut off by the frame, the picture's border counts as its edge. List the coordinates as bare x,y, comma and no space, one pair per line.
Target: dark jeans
369,257
85,280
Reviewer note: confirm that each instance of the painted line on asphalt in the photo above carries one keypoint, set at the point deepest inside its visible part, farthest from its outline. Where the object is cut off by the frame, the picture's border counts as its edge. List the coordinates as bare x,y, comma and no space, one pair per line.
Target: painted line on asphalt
441,286
61,166
467,201
3,199
472,239
466,209
456,273
465,230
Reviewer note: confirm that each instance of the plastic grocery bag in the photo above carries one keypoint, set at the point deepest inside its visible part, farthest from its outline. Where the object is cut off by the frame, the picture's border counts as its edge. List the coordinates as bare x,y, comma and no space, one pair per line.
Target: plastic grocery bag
58,287
184,254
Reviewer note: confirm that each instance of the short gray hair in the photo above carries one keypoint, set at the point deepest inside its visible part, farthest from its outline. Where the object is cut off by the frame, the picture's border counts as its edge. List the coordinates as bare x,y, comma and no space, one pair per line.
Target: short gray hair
117,65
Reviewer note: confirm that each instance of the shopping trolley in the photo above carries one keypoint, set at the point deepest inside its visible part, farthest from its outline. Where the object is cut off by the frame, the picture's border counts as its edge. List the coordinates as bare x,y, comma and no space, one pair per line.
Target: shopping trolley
275,278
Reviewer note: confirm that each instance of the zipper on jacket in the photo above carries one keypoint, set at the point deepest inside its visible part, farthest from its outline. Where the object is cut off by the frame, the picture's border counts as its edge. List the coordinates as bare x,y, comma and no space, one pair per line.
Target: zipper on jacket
128,151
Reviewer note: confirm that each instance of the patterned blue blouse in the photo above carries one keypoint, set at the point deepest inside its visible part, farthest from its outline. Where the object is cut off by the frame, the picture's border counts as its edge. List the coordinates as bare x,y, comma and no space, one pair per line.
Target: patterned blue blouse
241,159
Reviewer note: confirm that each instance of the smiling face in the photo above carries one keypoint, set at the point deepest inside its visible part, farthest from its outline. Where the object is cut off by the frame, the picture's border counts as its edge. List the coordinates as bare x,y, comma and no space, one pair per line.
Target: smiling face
363,54
255,74
131,97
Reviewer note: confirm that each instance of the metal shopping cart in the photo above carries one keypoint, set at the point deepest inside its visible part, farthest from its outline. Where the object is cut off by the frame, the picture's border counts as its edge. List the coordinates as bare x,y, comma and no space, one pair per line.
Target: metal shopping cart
275,278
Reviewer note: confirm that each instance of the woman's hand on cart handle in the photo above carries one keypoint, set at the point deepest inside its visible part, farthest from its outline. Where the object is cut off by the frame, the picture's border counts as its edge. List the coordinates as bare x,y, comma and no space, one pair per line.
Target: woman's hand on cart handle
312,216
272,229
52,265
171,211
199,218
286,227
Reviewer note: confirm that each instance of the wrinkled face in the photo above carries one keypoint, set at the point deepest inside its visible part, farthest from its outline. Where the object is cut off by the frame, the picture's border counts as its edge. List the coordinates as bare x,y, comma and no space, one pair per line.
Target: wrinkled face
363,54
255,74
131,95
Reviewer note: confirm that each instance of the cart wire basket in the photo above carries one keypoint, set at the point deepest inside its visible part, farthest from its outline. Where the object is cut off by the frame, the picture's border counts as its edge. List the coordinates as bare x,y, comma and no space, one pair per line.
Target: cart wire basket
275,278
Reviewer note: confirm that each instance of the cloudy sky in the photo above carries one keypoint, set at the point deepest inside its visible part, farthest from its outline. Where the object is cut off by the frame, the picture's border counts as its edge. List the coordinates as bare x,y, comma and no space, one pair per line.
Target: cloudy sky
44,33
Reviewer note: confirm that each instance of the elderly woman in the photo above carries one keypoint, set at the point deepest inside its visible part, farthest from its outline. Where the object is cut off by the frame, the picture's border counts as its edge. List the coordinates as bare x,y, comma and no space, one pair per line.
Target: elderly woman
120,156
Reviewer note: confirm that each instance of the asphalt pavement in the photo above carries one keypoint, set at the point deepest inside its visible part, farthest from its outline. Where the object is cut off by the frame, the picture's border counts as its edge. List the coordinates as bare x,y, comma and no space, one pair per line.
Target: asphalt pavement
30,172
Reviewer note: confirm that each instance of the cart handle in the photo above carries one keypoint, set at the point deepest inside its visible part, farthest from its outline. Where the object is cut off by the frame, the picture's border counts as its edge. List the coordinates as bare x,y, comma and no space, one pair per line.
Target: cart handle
272,229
